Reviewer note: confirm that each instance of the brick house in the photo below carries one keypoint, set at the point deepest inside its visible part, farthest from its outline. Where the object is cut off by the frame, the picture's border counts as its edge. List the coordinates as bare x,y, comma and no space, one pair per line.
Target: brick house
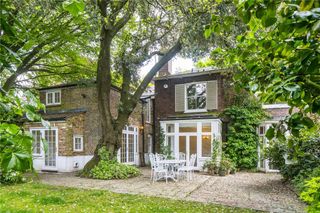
187,109
72,111
185,106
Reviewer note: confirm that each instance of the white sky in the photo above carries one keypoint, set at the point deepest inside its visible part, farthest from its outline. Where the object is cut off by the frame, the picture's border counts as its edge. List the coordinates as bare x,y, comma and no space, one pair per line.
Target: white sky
178,64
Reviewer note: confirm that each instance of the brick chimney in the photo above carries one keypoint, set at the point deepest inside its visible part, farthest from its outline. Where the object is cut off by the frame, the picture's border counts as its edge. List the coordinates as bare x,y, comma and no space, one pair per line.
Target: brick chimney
166,69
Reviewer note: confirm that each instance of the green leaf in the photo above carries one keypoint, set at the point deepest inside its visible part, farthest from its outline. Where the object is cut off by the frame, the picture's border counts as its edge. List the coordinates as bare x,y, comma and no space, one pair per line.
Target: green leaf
316,26
306,4
268,21
292,87
45,123
270,133
74,7
207,33
260,11
308,122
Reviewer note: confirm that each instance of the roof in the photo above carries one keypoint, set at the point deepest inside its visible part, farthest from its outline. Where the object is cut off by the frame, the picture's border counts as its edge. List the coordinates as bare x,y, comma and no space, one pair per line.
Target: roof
191,116
85,82
61,114
192,73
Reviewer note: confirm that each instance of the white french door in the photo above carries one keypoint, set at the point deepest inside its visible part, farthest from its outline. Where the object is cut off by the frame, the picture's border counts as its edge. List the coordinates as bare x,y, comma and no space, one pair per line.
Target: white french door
45,146
264,163
129,145
188,144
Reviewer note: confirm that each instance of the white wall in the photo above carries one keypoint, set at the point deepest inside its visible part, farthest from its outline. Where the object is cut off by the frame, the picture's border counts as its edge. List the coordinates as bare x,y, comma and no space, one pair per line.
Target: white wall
64,163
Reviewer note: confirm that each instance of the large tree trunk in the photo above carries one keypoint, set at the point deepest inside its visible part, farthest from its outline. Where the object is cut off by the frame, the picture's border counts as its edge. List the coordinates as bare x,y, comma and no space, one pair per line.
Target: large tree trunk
111,131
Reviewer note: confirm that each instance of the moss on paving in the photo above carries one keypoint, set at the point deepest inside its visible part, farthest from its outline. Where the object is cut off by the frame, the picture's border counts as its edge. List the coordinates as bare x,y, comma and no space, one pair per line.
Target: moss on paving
35,197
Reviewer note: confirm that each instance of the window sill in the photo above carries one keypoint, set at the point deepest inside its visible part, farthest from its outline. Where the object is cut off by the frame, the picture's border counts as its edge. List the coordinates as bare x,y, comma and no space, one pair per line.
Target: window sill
53,104
193,111
78,151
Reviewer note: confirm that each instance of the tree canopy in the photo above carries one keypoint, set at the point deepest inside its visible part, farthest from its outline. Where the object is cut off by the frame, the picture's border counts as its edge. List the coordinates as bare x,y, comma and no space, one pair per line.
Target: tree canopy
277,57
39,39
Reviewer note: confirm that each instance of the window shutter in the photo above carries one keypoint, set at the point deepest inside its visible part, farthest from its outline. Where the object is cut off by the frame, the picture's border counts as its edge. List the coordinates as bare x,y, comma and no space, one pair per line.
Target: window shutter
179,97
212,95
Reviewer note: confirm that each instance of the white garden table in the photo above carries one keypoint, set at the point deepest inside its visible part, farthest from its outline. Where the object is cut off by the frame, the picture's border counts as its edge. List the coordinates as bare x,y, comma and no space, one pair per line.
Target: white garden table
171,165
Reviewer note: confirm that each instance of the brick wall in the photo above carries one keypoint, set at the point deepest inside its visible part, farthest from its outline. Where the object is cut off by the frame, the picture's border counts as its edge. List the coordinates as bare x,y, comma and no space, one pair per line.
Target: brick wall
165,97
86,124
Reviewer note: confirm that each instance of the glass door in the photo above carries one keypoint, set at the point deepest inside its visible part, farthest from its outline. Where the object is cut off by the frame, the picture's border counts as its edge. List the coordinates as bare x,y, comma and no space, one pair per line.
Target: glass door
129,145
188,145
50,155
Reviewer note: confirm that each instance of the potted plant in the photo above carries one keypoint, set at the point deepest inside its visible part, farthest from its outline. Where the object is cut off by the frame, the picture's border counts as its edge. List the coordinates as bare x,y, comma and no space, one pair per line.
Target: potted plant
225,166
233,169
223,170
210,166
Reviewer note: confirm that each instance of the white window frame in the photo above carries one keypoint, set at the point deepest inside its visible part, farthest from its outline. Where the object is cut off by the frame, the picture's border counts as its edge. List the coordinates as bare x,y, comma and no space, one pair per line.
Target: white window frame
54,102
41,145
186,98
74,143
150,143
134,131
148,107
215,133
42,155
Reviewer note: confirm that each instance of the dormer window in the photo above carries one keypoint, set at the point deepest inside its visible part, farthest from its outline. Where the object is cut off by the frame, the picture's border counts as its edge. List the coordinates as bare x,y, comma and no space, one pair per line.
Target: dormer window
196,97
53,97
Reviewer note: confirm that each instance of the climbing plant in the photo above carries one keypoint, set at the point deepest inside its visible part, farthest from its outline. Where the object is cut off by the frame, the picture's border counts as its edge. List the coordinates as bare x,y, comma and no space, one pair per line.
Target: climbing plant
243,117
164,148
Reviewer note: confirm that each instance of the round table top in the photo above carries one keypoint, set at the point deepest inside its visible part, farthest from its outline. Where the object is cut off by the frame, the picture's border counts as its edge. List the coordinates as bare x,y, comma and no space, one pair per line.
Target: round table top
172,161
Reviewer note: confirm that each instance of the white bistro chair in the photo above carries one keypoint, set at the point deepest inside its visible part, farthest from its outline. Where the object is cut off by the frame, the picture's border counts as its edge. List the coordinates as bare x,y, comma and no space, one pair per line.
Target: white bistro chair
189,168
158,170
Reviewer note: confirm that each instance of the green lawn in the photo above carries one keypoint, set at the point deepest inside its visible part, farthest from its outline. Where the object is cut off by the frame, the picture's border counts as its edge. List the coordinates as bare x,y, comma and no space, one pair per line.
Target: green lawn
34,197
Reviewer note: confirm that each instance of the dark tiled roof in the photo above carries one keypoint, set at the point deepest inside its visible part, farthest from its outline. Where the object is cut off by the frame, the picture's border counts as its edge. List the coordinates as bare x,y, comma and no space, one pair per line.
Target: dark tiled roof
61,114
191,116
83,83
205,71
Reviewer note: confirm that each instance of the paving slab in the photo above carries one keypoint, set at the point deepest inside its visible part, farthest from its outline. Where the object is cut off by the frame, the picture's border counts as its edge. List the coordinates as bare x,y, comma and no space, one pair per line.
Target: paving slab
260,191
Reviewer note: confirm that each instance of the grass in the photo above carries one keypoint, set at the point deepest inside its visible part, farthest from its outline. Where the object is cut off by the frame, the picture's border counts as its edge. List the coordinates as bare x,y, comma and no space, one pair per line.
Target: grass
35,197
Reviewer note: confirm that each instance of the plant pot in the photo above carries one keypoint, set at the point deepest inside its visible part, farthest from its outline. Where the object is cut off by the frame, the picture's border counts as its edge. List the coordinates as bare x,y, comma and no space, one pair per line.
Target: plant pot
223,172
210,171
216,170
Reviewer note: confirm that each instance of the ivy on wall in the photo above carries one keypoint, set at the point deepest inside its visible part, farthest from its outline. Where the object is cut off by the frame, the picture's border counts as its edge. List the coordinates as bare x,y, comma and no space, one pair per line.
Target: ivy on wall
244,116
164,149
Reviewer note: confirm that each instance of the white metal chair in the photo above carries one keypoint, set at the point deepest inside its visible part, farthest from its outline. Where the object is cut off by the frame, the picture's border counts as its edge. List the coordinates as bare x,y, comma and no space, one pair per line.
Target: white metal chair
158,170
189,168
160,157
182,156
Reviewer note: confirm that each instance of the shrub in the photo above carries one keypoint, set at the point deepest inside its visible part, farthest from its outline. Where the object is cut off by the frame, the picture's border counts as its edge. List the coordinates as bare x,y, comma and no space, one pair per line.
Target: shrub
225,164
304,170
302,151
211,166
165,149
275,152
242,139
311,194
111,169
11,177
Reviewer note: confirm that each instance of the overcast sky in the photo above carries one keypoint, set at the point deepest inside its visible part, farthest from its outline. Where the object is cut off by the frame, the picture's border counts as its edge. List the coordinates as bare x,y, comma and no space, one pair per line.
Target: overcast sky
178,64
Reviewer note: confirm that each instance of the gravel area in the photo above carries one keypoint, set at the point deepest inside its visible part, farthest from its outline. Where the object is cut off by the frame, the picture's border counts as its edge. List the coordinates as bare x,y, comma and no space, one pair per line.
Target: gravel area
258,191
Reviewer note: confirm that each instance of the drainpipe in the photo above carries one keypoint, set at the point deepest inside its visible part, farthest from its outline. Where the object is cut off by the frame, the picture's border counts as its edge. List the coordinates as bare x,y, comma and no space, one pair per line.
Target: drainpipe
153,126
142,131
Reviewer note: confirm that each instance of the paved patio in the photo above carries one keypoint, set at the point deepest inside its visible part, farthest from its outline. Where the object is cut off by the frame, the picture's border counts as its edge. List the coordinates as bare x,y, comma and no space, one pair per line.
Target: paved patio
258,191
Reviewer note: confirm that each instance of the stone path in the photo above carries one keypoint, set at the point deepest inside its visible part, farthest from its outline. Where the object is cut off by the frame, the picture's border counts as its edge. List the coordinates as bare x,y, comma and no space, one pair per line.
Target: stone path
258,191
